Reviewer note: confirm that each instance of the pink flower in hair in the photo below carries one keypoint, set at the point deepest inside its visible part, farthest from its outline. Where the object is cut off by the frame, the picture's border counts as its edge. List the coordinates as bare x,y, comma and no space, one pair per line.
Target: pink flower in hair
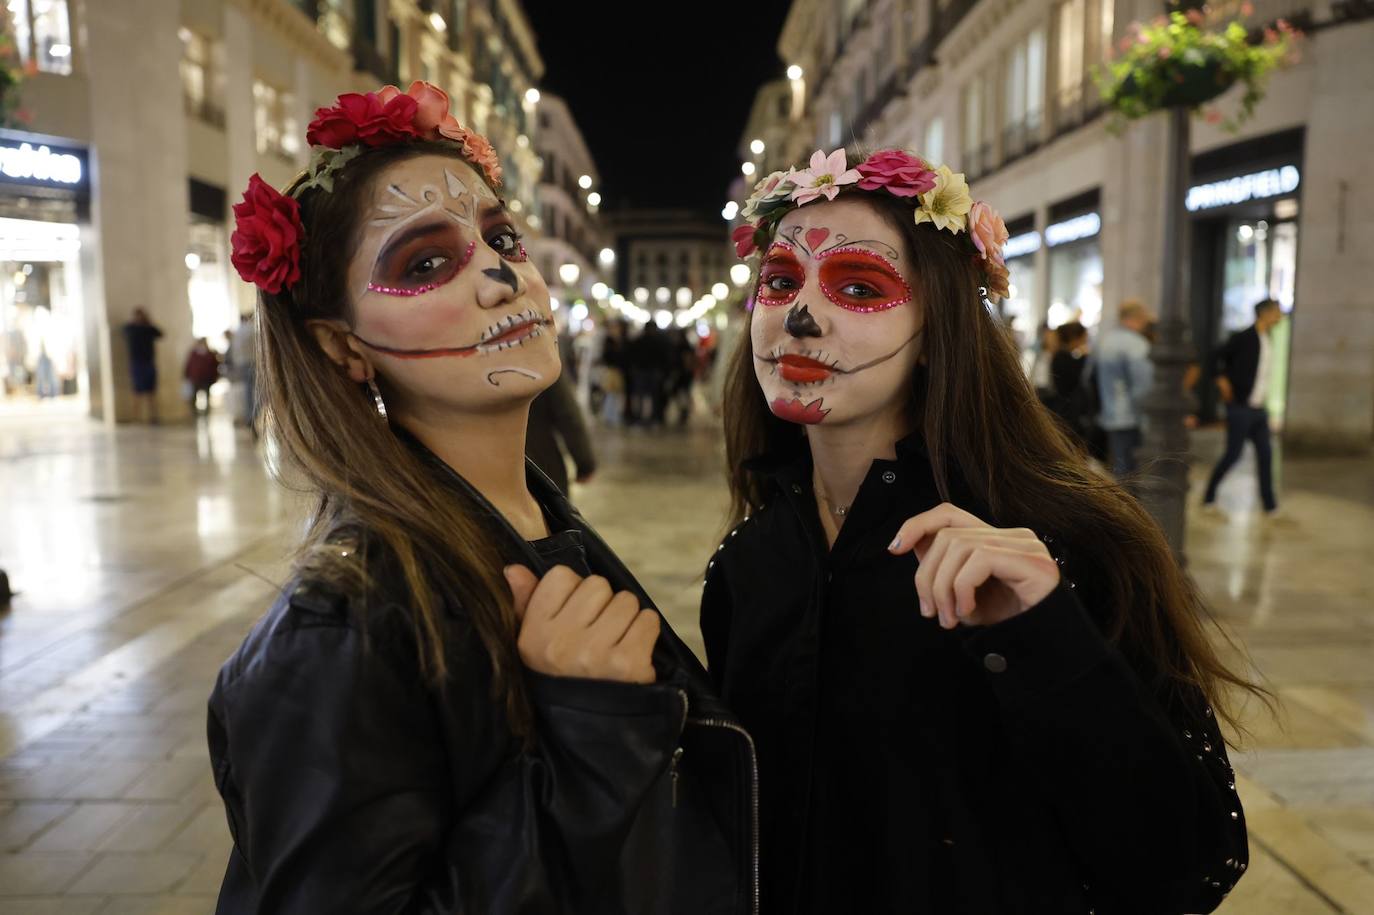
825,177
897,172
988,231
431,106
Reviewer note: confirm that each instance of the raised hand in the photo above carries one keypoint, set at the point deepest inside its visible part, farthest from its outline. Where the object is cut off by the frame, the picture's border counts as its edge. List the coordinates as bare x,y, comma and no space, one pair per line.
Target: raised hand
576,627
971,572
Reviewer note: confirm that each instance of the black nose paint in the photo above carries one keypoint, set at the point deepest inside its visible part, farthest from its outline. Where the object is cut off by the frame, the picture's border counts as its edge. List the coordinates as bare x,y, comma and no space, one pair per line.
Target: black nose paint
799,323
504,274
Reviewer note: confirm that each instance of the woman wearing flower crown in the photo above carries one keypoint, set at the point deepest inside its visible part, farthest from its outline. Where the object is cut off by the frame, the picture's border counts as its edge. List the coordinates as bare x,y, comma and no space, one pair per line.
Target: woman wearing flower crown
459,703
1031,729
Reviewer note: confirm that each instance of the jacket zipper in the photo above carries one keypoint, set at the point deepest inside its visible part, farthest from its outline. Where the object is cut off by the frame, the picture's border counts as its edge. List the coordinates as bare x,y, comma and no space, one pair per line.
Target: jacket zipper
753,797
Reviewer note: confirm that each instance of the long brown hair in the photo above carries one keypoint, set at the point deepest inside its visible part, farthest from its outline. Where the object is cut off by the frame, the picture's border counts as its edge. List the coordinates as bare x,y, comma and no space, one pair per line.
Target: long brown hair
367,482
983,425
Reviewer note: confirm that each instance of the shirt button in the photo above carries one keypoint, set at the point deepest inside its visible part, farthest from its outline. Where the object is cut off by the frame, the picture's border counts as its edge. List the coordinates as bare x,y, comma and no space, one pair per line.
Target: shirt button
889,477
994,662
796,488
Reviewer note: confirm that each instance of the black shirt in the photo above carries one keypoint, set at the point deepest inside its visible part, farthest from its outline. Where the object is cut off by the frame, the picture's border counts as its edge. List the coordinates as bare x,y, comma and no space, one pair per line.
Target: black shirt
1020,768
141,338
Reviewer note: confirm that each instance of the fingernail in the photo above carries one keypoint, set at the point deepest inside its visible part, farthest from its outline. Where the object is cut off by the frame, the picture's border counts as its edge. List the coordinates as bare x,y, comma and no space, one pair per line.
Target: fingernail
896,543
925,608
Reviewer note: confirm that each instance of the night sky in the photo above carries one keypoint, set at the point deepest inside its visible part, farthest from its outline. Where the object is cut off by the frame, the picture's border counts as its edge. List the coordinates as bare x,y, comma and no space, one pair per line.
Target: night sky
663,111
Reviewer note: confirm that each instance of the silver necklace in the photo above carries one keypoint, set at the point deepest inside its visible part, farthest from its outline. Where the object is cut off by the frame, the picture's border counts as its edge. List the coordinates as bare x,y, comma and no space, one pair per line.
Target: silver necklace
835,509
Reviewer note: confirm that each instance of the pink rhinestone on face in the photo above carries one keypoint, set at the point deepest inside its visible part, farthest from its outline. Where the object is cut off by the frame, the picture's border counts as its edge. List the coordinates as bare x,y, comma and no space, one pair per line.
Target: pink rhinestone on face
428,287
865,309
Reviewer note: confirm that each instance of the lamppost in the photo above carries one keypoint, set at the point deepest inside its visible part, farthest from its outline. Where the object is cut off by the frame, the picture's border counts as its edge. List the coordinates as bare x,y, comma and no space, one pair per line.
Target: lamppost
1163,488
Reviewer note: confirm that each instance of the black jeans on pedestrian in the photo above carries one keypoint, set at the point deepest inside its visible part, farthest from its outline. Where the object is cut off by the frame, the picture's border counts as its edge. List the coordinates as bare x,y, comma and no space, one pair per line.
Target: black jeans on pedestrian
1246,423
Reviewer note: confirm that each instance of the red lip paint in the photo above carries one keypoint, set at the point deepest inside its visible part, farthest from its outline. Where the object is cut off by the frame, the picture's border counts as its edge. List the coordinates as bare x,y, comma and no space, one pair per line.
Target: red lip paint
801,370
794,411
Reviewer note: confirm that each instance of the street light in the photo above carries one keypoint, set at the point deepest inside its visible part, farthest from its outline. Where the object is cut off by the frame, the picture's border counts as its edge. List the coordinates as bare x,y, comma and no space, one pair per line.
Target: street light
684,297
594,199
607,257
730,212
532,96
794,72
720,290
663,319
600,290
438,22
662,295
641,295
585,182
739,274
578,312
747,168
569,273
756,147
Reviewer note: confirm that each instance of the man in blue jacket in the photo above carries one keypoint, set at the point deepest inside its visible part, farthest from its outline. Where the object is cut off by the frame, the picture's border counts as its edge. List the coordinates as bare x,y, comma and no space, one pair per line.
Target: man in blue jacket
1242,369
1124,374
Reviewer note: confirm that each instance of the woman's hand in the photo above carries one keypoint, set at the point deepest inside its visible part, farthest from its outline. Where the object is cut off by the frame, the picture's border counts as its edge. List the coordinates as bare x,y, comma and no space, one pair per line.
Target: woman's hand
972,572
576,627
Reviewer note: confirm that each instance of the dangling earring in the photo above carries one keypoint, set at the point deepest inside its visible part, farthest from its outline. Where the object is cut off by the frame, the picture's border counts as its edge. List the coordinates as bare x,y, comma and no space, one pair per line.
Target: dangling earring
987,303
377,398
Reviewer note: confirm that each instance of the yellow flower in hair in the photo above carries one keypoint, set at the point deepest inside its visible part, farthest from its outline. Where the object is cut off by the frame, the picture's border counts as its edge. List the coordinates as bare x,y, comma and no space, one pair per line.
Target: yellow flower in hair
948,203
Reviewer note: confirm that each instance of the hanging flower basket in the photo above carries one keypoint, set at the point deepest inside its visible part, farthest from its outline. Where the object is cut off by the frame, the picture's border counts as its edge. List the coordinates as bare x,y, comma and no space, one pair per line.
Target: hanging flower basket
1187,59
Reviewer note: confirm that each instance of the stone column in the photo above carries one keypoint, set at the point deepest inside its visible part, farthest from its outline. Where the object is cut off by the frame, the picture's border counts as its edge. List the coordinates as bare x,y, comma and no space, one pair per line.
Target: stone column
138,194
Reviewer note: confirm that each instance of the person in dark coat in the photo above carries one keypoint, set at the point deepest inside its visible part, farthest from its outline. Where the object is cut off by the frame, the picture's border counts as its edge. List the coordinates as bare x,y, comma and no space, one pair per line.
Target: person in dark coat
1034,727
1242,368
141,336
460,700
557,429
202,371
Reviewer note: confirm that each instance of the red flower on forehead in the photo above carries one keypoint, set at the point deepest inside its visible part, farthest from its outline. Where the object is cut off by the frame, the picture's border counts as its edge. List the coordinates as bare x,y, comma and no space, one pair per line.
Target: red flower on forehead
267,237
365,119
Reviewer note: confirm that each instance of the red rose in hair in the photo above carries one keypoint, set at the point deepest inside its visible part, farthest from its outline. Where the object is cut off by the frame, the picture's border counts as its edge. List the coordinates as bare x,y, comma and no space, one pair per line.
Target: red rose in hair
267,237
364,119
743,237
900,173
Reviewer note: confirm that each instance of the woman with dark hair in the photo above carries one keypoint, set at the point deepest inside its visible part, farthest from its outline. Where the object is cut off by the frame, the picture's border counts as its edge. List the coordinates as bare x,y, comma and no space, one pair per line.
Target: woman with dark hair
459,702
1034,729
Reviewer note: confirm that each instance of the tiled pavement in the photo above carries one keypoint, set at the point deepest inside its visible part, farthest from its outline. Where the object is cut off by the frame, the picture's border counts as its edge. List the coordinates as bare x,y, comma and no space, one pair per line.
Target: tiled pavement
144,556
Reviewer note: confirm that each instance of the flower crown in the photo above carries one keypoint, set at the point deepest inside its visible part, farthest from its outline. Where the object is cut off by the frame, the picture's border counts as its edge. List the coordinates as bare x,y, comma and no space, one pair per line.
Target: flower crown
267,225
941,197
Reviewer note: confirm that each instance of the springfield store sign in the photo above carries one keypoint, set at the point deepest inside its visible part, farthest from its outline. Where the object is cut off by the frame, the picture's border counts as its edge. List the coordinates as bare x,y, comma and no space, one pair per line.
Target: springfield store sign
40,164
1274,182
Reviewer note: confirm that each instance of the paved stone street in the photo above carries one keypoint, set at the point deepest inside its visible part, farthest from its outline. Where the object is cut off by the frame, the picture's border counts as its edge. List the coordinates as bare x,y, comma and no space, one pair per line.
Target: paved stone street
143,556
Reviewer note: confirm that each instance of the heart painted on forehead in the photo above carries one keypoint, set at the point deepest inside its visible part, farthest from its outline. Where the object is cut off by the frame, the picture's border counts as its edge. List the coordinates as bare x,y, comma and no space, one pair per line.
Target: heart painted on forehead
814,237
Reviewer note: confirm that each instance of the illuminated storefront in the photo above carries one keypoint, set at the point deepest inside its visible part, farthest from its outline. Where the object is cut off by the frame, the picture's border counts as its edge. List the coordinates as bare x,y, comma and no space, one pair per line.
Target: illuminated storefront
1075,260
44,200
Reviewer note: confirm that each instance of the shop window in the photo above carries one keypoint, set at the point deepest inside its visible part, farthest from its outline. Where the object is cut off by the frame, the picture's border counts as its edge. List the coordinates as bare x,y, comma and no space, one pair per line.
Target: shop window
973,103
275,119
202,77
43,33
933,148
1023,94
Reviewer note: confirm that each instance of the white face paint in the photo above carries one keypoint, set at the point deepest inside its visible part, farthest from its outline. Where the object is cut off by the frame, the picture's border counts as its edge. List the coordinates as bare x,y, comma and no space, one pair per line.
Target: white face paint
836,326
444,297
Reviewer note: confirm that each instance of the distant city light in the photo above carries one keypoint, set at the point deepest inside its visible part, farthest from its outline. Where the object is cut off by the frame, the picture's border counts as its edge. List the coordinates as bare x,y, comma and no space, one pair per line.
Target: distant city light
662,295
554,303
594,199
730,212
569,273
532,96
703,329
747,168
794,72
641,295
438,22
192,260
739,274
607,257
720,291
756,147
663,319
585,182
578,313
600,290
684,297
522,141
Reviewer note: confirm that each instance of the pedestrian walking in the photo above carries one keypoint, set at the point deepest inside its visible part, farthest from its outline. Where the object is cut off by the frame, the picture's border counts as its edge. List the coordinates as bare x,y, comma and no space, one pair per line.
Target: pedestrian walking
1074,388
461,701
244,369
1124,374
141,336
557,431
611,377
1242,368
201,372
1032,728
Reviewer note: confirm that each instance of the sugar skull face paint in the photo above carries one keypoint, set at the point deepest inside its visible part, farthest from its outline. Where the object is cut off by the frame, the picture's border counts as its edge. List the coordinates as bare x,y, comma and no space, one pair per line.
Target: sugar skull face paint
838,335
444,297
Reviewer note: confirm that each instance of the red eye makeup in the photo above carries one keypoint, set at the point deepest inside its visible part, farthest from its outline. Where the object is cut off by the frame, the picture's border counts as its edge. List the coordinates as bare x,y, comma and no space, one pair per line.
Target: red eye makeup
420,260
781,277
860,280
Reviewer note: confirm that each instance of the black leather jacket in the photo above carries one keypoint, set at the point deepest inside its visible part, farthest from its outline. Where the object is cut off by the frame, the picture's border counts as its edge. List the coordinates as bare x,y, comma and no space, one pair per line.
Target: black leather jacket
350,786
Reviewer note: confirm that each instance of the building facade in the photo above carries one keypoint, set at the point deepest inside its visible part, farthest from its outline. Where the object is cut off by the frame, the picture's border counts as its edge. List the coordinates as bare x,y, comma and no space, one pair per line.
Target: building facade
1002,90
146,152
569,249
668,259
